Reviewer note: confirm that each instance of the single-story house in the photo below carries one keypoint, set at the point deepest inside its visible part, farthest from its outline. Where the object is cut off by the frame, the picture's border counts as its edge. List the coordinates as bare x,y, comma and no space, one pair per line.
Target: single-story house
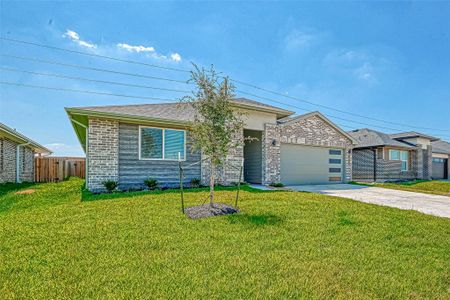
403,156
17,155
130,143
440,158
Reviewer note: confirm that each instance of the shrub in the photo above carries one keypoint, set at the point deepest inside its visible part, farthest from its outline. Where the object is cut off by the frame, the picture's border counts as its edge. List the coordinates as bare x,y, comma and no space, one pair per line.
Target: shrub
110,185
151,183
276,184
195,183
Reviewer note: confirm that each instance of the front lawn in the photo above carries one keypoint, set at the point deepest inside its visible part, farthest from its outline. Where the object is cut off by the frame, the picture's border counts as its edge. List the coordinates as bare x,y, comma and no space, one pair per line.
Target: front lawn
282,245
429,187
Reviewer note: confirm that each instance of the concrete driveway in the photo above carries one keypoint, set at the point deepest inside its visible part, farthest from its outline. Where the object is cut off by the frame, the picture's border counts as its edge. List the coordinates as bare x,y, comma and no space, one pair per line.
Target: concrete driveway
428,204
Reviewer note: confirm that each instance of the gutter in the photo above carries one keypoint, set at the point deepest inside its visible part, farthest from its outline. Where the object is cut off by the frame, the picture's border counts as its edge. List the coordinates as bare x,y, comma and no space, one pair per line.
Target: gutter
18,161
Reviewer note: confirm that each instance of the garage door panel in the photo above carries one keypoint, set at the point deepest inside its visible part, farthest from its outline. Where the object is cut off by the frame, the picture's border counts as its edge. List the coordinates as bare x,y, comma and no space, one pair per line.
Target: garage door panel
308,165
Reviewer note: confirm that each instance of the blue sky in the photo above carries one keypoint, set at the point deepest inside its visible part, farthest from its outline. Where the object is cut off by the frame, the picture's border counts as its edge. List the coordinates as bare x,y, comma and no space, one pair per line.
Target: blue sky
385,60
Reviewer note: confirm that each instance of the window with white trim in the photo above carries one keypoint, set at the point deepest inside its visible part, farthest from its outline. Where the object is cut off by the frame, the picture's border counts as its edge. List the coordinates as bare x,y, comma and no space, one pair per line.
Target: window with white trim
161,144
402,156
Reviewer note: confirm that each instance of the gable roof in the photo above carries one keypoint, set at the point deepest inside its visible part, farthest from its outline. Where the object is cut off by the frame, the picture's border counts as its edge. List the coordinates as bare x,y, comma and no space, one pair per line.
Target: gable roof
412,134
180,112
175,114
371,138
289,120
19,138
440,147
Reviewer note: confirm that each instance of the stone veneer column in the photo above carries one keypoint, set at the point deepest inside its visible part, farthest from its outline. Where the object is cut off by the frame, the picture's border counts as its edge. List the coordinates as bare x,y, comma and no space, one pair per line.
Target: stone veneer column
348,156
271,159
103,153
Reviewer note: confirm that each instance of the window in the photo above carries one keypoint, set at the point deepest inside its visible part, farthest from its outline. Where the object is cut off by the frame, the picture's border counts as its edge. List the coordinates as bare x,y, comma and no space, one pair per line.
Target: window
403,156
438,160
335,161
335,170
335,152
394,154
336,178
158,143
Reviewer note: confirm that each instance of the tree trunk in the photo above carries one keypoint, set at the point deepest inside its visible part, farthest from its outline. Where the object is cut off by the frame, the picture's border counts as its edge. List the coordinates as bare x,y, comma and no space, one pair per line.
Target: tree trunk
211,185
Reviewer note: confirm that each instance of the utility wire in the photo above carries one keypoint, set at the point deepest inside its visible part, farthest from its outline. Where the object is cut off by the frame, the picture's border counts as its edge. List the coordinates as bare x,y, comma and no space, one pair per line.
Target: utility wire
334,109
91,68
86,92
237,81
328,115
92,80
146,98
94,55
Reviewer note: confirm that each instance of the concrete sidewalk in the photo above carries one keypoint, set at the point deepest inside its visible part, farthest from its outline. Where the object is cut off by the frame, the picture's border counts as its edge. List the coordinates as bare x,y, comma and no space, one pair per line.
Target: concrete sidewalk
428,204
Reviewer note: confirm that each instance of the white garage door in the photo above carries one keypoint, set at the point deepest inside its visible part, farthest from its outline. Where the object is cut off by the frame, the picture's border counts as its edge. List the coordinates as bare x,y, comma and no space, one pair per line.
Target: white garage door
310,165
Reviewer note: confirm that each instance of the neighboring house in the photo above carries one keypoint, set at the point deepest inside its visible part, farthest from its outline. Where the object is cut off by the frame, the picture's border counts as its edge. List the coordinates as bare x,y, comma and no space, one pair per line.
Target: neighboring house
17,155
441,161
130,143
404,156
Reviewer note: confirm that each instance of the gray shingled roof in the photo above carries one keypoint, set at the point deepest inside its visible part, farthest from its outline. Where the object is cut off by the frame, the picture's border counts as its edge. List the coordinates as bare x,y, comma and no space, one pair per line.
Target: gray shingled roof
412,134
12,134
176,111
440,147
370,138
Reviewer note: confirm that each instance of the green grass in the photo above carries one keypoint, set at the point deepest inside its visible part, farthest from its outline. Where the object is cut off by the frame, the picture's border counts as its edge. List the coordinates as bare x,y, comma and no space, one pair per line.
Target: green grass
421,186
282,245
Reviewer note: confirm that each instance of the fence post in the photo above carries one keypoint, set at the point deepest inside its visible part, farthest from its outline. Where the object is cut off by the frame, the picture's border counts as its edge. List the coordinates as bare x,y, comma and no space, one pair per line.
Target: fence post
239,183
181,182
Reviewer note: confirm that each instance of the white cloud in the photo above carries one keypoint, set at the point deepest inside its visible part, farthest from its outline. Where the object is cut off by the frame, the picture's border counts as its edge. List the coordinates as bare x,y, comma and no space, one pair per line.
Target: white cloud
135,48
150,51
175,57
301,39
75,37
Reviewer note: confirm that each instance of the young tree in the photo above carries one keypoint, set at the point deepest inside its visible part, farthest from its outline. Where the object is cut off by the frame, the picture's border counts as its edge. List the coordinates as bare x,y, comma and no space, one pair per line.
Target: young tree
216,124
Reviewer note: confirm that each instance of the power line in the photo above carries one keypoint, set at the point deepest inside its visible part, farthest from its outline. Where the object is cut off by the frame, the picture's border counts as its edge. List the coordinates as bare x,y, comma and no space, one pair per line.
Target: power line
237,81
327,115
332,108
86,92
92,68
92,80
94,55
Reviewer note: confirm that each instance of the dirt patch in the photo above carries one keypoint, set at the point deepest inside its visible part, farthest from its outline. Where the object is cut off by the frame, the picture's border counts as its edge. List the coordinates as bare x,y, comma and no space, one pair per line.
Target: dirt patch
206,210
25,192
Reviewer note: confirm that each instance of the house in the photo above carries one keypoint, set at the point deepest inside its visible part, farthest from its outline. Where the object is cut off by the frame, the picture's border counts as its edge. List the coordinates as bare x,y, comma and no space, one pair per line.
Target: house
17,155
403,156
440,159
130,143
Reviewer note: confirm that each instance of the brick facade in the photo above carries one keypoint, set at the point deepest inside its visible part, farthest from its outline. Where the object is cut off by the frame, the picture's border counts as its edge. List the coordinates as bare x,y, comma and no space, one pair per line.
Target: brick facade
228,173
309,131
102,153
8,153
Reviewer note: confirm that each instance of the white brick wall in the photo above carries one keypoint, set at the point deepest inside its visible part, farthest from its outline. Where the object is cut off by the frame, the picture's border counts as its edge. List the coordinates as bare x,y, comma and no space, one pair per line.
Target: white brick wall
103,153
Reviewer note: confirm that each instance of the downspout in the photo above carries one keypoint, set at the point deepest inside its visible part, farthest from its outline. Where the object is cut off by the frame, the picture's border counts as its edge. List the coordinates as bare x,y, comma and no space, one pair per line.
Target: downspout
85,148
18,161
374,164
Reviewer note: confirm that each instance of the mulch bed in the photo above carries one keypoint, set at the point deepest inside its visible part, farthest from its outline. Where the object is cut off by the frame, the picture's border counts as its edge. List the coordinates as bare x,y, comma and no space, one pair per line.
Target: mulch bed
206,211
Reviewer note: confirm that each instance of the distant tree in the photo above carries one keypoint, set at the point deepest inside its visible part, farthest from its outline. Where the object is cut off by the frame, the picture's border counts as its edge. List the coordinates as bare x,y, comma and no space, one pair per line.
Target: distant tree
216,123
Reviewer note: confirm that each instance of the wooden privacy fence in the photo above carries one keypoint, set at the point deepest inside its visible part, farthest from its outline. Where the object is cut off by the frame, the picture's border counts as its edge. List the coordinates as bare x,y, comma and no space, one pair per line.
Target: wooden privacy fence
54,169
